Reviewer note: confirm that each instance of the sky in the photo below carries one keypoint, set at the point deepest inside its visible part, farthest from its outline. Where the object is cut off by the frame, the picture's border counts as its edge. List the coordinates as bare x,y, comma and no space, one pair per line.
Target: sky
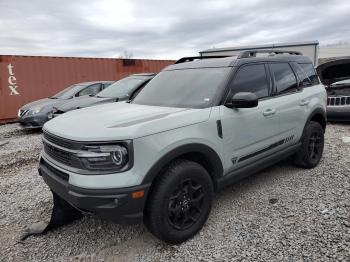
164,29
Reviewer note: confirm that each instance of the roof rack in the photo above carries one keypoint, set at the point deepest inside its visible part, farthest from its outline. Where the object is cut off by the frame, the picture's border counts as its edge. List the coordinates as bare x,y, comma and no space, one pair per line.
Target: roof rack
252,53
242,54
192,58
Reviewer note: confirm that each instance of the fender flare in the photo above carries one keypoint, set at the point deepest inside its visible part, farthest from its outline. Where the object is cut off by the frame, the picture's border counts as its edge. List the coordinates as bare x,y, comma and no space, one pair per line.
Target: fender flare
317,111
205,150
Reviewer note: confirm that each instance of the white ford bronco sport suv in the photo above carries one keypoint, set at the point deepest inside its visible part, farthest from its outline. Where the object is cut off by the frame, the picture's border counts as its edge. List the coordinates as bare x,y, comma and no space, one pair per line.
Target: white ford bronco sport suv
199,125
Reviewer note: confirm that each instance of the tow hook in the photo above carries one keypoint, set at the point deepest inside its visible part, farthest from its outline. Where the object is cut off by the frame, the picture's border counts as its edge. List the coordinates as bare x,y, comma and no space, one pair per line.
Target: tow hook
62,214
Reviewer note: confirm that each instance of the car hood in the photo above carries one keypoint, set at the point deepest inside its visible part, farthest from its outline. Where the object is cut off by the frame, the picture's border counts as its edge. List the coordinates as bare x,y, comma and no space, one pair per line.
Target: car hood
82,102
120,121
46,103
334,71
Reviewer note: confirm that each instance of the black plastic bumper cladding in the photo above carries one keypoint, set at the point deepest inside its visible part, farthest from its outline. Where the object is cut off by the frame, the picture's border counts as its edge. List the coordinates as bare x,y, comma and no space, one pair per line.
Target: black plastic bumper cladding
70,202
32,121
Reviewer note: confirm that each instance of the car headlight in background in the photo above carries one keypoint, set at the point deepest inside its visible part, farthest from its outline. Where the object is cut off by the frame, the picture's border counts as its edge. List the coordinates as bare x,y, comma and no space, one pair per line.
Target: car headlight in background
34,110
104,157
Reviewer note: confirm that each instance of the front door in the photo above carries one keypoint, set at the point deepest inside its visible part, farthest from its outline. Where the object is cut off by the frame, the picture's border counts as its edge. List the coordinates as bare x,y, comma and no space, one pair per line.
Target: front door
249,133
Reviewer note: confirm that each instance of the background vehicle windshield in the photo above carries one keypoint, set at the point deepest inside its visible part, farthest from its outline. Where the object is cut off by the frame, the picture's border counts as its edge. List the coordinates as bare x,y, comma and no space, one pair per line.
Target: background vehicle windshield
69,92
188,88
122,88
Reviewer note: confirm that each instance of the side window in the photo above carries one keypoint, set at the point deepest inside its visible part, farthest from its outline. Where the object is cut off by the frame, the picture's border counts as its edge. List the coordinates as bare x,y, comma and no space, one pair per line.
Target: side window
304,80
284,78
90,90
251,78
310,72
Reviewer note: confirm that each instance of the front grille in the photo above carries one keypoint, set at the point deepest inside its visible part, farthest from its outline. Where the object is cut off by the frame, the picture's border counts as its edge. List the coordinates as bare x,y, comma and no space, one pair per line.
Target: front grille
58,140
58,154
62,150
23,112
338,101
55,171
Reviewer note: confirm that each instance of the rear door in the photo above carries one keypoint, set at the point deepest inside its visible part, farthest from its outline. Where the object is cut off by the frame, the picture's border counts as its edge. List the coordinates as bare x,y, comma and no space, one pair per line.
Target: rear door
249,133
289,101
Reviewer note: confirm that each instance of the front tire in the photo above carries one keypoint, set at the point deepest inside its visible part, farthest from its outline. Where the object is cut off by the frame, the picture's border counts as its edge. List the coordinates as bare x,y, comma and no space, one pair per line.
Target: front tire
179,202
312,144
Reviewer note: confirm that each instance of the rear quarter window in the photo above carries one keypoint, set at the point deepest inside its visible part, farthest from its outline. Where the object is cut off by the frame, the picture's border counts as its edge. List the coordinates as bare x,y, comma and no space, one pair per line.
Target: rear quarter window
310,72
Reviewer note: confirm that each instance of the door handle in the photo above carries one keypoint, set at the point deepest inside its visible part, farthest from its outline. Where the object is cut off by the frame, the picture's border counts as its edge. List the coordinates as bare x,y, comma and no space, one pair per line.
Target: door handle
269,112
304,102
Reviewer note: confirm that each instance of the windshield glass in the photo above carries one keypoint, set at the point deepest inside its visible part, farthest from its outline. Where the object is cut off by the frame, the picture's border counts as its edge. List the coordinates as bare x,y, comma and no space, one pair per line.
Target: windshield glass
69,92
187,88
122,88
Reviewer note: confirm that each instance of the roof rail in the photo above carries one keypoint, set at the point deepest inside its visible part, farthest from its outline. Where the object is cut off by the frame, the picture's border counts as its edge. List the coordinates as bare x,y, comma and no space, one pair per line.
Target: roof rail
252,53
192,58
242,54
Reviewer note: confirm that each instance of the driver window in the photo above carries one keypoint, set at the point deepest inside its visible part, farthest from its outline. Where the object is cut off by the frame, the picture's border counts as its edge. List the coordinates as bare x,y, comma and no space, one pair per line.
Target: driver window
251,78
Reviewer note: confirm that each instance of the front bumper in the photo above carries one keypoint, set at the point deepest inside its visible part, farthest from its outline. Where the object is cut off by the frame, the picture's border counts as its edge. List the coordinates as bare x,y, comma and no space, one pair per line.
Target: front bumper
116,205
33,121
338,113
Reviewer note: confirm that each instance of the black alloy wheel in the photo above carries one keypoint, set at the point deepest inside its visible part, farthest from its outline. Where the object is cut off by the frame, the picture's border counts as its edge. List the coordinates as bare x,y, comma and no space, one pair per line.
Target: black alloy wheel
185,204
179,201
315,146
312,143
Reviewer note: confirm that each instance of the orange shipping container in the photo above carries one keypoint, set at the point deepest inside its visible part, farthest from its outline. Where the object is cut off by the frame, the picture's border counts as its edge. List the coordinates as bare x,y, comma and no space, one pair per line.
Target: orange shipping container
27,78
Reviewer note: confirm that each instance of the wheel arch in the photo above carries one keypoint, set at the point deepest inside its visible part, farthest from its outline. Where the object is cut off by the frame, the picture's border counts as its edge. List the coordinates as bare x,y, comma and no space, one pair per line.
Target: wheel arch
200,153
318,115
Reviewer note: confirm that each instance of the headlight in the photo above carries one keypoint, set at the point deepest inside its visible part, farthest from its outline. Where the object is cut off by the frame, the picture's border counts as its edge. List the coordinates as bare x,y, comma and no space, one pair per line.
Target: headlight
34,111
19,113
104,157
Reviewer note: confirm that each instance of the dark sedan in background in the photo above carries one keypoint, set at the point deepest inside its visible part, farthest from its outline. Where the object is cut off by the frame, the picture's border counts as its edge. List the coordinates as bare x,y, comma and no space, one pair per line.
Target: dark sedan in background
35,114
122,90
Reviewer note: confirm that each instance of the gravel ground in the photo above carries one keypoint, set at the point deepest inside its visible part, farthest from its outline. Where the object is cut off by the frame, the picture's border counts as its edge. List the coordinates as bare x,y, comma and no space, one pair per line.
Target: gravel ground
281,214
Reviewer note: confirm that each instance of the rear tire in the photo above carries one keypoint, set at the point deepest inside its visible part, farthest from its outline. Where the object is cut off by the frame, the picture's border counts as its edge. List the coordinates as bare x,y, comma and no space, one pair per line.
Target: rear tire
312,144
179,202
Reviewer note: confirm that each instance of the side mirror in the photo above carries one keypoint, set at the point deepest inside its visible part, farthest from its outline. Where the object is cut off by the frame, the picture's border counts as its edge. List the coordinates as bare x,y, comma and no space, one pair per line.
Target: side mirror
243,100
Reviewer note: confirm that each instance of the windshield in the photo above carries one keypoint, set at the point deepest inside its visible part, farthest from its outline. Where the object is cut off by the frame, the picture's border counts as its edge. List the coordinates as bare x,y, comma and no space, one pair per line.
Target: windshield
69,92
187,88
123,88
